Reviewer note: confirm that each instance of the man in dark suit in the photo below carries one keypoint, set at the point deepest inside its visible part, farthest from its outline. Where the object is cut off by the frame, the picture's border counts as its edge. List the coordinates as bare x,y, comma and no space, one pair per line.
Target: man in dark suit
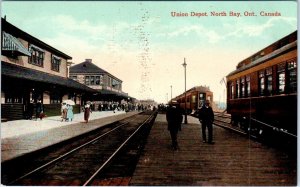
174,118
206,118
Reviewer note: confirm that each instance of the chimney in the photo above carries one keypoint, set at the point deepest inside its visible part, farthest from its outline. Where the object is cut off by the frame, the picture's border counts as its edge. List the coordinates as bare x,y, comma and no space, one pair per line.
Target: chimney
88,60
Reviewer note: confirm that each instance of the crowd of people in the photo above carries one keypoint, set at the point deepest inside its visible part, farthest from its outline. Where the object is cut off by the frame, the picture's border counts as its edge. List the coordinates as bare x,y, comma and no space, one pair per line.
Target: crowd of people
113,106
36,110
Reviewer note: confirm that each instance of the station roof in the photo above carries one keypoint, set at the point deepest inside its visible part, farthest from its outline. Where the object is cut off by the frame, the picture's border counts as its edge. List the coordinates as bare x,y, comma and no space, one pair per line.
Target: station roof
88,67
18,33
20,72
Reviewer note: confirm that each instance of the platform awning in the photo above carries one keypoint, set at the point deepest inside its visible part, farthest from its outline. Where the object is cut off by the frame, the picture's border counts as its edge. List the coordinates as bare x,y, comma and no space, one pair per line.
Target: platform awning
12,44
19,72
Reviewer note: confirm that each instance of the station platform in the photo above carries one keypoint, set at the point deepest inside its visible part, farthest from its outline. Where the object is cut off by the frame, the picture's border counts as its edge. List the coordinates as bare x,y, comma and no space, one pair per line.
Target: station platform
20,137
233,160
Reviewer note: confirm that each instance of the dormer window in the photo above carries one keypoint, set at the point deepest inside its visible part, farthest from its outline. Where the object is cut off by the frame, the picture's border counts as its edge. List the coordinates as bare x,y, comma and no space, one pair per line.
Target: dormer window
37,56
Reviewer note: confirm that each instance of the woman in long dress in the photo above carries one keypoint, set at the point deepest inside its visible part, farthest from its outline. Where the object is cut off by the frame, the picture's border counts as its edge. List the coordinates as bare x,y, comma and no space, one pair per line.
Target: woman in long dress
70,114
87,111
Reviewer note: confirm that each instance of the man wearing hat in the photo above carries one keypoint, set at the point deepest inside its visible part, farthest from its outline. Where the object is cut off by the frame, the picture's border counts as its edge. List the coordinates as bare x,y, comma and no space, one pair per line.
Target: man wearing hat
174,118
206,117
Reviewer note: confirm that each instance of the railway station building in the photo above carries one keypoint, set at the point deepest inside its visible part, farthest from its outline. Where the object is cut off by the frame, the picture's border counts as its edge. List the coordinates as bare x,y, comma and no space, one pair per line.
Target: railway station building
33,70
108,87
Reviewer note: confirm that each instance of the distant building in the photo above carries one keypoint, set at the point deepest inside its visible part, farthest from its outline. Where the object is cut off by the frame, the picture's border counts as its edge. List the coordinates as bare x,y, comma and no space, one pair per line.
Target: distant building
108,86
32,70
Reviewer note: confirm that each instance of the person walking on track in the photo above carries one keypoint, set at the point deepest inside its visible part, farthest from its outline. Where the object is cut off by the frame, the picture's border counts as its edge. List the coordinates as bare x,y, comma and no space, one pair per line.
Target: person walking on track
174,118
206,118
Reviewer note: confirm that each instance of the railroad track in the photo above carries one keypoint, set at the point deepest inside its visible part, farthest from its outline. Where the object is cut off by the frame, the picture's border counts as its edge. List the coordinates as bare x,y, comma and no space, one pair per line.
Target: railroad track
224,121
277,138
108,154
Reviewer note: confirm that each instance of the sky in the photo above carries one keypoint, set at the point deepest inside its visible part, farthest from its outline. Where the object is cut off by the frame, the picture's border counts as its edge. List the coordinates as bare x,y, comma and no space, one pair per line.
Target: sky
142,44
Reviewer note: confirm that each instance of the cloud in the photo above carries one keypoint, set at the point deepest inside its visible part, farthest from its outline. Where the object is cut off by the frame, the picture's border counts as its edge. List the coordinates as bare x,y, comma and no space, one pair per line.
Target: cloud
254,30
200,31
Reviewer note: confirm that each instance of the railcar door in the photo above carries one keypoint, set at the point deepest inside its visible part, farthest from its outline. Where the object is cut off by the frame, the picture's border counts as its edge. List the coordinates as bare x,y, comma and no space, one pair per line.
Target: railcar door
201,100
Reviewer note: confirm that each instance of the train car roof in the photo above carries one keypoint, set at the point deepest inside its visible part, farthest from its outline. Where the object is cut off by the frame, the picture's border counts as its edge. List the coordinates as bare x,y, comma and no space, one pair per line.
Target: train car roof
269,56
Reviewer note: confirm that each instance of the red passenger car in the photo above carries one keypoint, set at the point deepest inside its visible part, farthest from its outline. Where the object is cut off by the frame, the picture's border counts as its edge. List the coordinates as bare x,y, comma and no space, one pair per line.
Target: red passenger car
195,98
262,91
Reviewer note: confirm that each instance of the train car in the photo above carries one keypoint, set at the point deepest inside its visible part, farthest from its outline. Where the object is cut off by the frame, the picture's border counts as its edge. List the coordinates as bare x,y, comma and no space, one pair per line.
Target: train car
262,91
195,98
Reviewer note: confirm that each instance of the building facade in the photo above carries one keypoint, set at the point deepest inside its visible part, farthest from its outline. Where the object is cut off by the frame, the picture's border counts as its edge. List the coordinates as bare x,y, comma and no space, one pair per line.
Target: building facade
31,71
108,86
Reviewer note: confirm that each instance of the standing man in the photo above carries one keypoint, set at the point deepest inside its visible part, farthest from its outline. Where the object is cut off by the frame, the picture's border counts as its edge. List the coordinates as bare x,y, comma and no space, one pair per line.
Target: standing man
39,110
174,118
206,118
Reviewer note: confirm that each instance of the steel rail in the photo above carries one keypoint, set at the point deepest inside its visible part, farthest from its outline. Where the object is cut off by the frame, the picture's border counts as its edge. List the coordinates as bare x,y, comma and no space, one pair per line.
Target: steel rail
227,127
111,157
65,155
274,128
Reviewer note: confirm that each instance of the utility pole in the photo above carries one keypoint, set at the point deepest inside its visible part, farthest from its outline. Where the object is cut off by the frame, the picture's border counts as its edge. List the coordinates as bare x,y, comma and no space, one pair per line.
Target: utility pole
185,113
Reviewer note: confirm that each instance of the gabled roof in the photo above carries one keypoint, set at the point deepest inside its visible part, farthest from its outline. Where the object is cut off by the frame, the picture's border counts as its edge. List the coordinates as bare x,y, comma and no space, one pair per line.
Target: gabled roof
15,71
87,67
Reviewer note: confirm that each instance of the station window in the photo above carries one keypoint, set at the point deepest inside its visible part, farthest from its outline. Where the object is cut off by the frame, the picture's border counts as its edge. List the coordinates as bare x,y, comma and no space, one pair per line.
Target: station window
281,77
87,80
74,77
269,81
54,98
248,85
55,63
37,56
237,88
261,78
292,72
92,80
13,97
109,82
243,87
97,81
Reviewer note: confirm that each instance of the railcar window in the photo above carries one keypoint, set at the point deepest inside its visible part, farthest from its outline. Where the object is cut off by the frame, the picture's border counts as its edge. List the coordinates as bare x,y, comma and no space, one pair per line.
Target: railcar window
248,85
281,77
261,82
193,99
232,91
237,88
292,71
269,81
243,87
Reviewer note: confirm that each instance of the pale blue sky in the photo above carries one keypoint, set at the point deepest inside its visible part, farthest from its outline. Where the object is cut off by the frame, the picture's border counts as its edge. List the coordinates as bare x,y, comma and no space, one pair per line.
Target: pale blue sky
143,45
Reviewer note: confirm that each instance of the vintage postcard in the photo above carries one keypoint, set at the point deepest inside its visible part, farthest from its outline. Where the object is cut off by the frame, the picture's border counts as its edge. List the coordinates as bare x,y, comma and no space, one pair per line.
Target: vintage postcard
209,87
